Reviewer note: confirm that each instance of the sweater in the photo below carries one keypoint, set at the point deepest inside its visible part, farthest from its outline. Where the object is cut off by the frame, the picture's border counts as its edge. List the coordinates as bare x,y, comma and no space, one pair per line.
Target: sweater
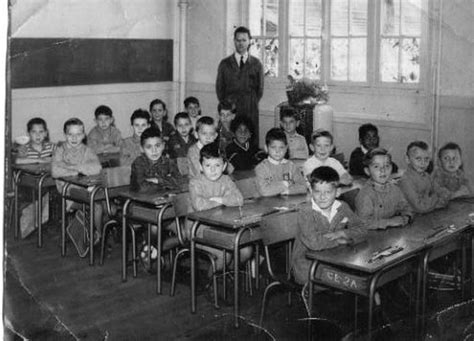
177,147
130,149
297,146
270,177
242,157
312,226
376,204
101,141
455,183
28,152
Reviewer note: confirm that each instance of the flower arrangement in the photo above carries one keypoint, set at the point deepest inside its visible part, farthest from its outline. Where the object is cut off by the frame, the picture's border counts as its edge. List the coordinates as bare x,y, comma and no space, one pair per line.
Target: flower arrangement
305,91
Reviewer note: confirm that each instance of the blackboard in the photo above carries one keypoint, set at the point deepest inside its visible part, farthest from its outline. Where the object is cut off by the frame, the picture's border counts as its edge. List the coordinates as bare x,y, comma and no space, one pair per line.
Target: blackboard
60,62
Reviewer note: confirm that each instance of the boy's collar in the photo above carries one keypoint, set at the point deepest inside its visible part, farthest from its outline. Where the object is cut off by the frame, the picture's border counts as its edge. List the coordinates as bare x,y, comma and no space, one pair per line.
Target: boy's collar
275,162
199,145
410,168
364,150
378,187
335,206
243,146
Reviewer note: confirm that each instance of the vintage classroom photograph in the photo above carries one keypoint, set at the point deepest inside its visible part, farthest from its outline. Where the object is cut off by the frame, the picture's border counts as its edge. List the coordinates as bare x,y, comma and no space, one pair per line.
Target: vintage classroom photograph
238,170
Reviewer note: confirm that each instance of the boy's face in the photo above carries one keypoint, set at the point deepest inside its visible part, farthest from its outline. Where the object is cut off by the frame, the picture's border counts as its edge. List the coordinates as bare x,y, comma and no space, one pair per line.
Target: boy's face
37,134
379,169
104,121
370,140
419,159
153,148
213,168
193,109
74,135
451,160
322,147
226,116
276,150
139,126
183,126
242,134
158,112
324,194
206,134
289,124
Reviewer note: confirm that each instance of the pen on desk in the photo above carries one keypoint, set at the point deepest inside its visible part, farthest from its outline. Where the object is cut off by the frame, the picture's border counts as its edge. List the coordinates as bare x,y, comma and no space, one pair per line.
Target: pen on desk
381,250
434,234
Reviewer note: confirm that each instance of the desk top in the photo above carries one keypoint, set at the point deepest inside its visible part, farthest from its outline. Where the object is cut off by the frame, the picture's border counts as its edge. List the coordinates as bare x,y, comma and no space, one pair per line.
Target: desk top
250,214
34,168
412,238
84,180
155,198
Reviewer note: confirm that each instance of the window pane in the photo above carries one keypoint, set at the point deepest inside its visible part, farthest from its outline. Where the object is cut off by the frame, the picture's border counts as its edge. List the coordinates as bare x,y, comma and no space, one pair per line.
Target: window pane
270,66
339,54
313,59
256,48
411,17
296,24
390,14
358,17
271,18
339,15
296,58
410,72
389,60
358,60
313,18
255,17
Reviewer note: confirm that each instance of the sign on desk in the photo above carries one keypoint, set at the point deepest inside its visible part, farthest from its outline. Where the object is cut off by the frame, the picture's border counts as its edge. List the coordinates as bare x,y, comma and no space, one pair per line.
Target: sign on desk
340,279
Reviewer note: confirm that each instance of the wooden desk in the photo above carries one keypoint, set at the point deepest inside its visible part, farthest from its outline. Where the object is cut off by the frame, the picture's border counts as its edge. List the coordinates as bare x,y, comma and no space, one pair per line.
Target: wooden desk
240,224
148,207
36,176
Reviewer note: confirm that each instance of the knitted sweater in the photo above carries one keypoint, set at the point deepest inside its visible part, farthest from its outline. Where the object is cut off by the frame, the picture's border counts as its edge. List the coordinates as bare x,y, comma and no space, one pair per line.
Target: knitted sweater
130,149
455,183
101,141
270,177
202,189
312,226
297,146
164,170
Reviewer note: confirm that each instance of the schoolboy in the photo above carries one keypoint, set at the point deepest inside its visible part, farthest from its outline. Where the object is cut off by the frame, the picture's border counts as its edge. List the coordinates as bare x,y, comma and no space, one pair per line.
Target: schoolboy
212,188
193,108
297,146
369,139
275,174
417,185
206,131
324,222
131,146
243,154
38,149
322,146
104,137
159,116
180,141
153,170
380,203
226,111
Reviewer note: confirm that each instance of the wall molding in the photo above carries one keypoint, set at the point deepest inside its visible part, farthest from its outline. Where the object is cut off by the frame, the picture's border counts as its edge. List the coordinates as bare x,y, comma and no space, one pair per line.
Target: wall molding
457,102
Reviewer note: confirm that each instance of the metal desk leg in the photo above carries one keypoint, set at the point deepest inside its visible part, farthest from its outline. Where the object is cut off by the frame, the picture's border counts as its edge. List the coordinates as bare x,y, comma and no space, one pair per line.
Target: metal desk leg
159,247
236,274
63,219
40,209
16,225
124,240
193,266
94,191
312,274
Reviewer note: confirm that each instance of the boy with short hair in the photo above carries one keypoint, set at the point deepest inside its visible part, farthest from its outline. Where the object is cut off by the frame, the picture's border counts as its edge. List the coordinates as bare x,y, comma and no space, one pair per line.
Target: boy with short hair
131,146
212,188
298,149
206,131
104,137
369,139
226,112
417,185
324,223
275,174
193,108
181,140
242,153
153,170
322,147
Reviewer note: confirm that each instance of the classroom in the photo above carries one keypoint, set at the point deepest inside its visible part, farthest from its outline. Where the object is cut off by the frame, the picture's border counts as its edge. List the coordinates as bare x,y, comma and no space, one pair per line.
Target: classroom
186,169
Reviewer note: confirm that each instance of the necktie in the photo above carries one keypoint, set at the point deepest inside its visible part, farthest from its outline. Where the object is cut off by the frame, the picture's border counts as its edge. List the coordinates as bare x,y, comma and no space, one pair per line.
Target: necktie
242,62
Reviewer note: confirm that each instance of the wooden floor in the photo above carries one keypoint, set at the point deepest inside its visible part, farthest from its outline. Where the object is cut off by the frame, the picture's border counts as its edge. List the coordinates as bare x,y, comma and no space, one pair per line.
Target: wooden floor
48,297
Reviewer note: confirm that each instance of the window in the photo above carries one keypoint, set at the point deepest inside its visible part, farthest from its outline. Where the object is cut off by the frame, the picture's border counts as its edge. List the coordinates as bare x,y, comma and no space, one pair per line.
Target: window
350,41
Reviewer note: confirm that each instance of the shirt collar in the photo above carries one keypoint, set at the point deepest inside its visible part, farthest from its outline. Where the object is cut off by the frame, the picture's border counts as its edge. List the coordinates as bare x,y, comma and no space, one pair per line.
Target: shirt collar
274,162
364,150
238,56
242,146
199,145
335,206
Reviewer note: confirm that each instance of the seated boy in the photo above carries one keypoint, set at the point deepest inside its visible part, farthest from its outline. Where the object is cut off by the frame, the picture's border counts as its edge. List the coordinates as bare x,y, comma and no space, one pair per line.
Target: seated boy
369,139
277,175
417,185
298,149
226,111
324,223
181,140
212,188
380,203
241,152
104,137
153,170
192,107
131,146
322,146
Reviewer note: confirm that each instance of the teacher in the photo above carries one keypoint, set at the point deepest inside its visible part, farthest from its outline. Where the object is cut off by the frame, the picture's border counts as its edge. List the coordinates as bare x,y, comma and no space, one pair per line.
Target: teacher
240,79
